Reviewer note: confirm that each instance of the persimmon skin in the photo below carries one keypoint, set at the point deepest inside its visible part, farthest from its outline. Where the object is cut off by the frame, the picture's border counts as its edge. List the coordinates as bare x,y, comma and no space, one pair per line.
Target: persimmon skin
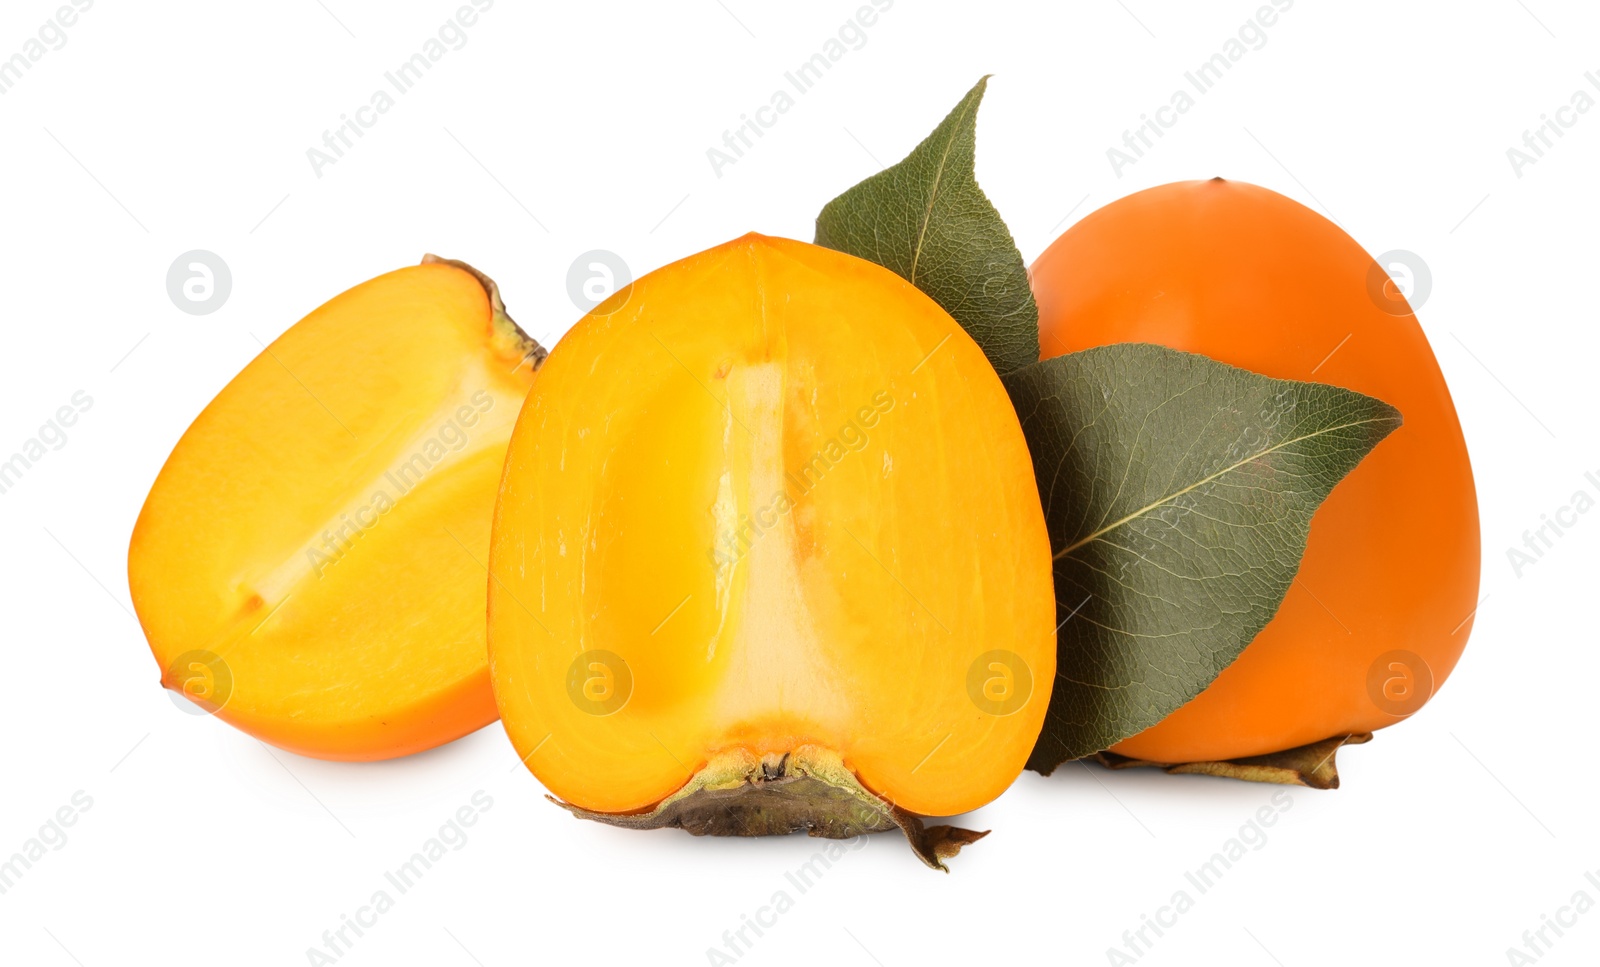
1248,277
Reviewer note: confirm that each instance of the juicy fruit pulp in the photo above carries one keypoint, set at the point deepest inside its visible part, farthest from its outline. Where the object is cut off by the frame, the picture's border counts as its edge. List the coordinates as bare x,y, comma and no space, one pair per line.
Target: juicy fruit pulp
1381,608
770,500
317,539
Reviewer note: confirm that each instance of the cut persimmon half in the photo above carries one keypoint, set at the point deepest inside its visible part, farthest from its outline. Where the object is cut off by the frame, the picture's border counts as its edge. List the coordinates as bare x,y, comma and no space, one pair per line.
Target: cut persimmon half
769,556
310,563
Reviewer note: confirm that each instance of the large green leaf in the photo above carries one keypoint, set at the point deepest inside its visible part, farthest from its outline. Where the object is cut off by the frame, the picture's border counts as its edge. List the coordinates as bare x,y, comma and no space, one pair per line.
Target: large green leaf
926,219
1178,492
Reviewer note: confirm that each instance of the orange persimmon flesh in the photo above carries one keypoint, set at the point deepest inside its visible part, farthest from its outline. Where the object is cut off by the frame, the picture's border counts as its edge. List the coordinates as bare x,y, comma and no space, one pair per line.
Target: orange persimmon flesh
785,495
322,528
1251,278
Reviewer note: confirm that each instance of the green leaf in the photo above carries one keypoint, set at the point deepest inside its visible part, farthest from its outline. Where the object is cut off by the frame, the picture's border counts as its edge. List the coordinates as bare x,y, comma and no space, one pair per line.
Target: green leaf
927,220
1178,492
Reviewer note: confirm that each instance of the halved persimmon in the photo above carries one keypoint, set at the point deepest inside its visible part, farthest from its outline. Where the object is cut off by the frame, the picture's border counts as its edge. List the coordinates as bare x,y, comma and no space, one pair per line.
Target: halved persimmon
1383,603
309,564
768,517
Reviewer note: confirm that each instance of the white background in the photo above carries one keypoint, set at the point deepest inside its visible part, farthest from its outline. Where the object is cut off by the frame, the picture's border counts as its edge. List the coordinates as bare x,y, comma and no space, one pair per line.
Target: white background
165,127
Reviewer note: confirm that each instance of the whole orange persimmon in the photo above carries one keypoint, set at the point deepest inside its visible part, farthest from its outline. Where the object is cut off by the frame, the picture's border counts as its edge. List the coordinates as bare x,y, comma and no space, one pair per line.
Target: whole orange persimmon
1382,605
